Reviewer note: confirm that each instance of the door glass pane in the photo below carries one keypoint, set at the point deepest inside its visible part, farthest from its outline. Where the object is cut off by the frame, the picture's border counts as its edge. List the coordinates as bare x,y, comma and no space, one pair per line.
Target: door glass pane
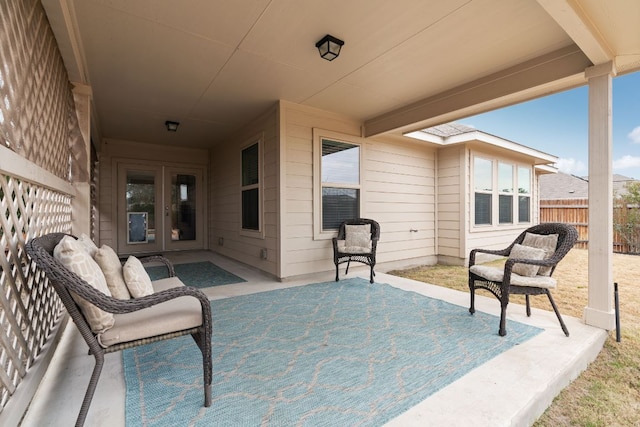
183,207
140,203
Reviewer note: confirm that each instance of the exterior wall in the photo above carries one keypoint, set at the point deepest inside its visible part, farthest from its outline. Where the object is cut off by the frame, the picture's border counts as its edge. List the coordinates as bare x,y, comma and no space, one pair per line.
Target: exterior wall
451,202
497,236
114,151
225,201
397,190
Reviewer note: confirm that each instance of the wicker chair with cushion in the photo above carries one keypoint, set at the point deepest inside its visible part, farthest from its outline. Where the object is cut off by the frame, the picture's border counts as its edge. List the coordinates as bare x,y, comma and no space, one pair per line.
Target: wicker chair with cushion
357,241
532,258
170,310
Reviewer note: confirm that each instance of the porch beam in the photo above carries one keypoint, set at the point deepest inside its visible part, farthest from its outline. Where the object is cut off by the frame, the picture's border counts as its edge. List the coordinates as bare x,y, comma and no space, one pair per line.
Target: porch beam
570,15
599,311
544,75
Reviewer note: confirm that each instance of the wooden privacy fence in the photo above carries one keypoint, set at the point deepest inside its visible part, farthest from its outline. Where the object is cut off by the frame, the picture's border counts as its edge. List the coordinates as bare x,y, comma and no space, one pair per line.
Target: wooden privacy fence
576,213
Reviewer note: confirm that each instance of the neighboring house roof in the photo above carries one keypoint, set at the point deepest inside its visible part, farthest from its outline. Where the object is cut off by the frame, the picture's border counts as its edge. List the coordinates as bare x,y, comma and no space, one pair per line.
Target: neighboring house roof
564,186
456,133
620,183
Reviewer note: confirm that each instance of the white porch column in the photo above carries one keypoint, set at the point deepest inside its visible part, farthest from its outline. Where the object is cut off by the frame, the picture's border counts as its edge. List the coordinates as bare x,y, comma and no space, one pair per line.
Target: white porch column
599,311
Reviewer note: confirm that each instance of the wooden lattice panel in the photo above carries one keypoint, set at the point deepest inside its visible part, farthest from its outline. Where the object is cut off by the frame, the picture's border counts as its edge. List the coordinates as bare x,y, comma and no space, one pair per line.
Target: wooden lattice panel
29,308
37,121
37,109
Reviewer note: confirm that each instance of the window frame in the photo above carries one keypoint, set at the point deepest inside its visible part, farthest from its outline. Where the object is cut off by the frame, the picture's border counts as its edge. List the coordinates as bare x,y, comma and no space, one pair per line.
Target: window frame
497,192
318,136
247,232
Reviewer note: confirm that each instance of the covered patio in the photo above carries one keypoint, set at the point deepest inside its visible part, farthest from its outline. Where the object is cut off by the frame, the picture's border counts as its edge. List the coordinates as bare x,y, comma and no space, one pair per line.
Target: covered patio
513,389
91,93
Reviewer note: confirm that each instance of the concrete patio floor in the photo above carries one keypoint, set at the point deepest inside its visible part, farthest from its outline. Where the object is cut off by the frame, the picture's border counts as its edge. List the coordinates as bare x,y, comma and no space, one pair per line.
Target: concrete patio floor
513,389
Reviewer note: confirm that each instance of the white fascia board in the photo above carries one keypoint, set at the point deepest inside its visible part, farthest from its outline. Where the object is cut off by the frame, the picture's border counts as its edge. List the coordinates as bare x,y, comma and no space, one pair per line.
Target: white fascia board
501,143
544,169
425,136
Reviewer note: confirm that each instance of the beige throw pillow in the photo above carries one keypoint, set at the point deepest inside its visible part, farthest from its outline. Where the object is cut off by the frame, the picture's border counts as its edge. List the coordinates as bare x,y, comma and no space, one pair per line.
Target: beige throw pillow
358,238
111,267
547,242
87,244
136,277
73,255
526,252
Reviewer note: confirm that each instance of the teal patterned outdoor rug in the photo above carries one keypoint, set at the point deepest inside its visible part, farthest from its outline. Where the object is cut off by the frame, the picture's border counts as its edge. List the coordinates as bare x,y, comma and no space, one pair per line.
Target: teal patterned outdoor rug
198,274
331,354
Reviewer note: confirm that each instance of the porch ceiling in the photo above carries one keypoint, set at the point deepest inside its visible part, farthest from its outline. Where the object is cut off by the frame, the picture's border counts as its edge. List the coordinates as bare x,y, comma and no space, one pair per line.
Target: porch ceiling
214,65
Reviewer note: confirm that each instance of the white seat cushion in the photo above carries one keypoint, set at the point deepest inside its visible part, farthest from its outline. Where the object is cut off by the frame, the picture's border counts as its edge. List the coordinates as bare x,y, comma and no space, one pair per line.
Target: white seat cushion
494,274
343,248
170,316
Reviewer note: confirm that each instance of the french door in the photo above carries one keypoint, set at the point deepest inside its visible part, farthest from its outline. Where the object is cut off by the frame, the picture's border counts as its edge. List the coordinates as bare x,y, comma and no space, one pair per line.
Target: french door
160,208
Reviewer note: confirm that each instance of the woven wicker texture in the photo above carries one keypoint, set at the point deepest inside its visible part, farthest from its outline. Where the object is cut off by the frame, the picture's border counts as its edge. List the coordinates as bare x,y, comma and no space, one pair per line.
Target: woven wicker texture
567,236
340,256
65,282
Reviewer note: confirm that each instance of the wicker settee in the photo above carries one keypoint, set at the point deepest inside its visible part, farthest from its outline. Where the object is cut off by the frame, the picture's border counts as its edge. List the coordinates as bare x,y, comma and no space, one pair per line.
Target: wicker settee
173,310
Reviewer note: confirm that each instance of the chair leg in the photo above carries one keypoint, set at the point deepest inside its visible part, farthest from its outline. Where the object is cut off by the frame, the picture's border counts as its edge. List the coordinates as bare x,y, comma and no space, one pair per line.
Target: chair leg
555,308
348,264
503,319
93,382
526,298
472,293
337,273
371,275
203,340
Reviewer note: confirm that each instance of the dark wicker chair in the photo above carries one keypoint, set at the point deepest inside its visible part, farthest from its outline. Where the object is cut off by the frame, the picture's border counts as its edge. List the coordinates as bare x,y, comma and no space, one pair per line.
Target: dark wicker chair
501,283
64,281
342,254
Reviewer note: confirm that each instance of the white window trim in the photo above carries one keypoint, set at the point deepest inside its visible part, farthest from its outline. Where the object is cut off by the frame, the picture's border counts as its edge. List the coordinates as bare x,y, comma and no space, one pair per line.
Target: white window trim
318,135
495,192
259,233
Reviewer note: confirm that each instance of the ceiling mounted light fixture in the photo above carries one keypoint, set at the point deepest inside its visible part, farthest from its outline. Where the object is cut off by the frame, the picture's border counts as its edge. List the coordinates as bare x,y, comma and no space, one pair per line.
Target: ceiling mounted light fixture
172,126
329,47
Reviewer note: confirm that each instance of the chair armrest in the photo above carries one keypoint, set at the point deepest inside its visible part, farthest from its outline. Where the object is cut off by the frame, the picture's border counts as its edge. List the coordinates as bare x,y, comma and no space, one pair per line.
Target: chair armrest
159,258
500,252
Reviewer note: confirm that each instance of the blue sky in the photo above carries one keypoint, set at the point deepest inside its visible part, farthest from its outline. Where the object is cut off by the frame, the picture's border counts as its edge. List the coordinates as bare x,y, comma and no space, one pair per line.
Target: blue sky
558,125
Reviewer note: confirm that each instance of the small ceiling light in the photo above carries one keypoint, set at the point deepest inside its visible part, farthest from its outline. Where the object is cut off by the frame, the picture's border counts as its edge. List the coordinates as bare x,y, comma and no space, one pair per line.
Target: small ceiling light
329,47
172,126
